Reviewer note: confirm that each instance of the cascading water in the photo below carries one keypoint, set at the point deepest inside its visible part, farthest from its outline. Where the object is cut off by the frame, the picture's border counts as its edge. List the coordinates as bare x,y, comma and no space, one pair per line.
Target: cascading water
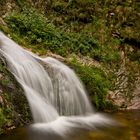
56,96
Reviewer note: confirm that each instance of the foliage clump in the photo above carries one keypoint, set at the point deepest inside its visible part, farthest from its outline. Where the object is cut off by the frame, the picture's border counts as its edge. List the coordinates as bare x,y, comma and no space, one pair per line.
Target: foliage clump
96,83
35,28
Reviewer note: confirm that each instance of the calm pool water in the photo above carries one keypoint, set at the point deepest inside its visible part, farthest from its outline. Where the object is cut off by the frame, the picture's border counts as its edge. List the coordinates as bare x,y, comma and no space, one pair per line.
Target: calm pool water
130,130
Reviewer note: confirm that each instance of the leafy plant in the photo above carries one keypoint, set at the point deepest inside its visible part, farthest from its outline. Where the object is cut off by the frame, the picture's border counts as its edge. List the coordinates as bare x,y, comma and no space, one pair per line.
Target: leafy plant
34,28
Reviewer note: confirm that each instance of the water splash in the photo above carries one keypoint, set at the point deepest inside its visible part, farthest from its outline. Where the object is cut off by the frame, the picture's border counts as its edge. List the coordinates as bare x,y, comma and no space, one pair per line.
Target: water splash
57,98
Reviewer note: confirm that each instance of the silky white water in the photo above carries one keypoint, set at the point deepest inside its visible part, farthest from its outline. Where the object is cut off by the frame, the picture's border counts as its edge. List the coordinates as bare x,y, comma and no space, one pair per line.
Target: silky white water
57,98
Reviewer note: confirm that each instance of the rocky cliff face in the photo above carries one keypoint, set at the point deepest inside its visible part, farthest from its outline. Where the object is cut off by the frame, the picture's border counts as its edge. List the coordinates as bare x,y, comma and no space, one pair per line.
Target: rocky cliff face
125,93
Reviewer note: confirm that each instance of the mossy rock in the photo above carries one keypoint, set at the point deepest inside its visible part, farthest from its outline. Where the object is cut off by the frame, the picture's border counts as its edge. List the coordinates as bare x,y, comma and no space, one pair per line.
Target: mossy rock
14,108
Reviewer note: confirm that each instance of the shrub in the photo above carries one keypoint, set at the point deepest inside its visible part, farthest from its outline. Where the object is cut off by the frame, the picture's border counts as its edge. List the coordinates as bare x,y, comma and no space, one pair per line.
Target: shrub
34,28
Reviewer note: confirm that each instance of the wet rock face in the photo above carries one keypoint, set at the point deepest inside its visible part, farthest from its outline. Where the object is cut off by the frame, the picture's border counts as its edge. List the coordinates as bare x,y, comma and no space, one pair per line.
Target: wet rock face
123,101
135,102
14,108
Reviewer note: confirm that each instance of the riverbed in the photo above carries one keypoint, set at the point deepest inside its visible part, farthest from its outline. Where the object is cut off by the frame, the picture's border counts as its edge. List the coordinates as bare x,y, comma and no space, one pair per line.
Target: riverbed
129,129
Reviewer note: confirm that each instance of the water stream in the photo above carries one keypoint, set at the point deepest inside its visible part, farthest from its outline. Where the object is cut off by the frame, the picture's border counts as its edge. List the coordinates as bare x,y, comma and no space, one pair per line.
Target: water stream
130,130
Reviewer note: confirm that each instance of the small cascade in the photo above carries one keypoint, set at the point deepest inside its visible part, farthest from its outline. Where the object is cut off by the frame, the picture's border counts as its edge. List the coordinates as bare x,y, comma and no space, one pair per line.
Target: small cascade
57,98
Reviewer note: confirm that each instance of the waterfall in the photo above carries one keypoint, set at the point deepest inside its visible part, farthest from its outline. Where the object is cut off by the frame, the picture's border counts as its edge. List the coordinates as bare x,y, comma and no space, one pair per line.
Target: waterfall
56,96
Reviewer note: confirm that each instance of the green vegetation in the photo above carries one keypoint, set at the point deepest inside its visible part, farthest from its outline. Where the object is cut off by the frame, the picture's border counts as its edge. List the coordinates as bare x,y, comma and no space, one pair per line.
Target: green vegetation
96,83
34,28
43,35
2,120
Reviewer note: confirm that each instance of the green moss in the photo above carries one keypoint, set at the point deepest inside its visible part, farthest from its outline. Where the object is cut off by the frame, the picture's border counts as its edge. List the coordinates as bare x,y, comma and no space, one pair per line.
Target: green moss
2,120
95,81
